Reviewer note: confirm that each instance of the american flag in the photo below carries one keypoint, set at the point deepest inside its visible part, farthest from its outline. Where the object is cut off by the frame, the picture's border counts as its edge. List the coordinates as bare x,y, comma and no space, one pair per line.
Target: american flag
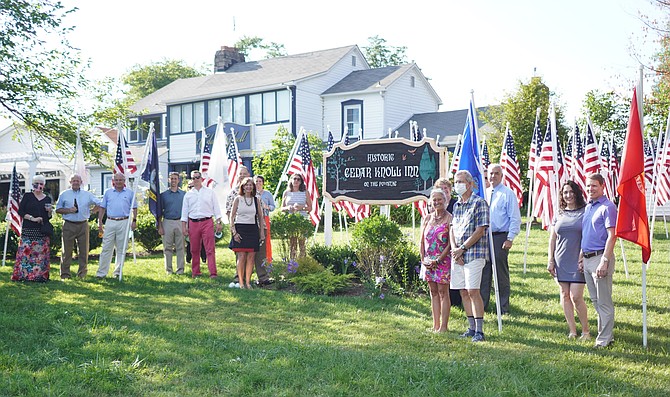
302,164
422,207
578,175
615,168
591,156
535,145
547,175
663,172
648,161
510,167
233,159
486,160
206,156
329,146
569,148
13,217
362,212
124,162
455,160
605,168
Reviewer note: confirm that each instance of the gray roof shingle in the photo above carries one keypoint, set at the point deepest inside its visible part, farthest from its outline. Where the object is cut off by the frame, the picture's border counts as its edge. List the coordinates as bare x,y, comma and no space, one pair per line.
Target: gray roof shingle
362,80
243,77
450,123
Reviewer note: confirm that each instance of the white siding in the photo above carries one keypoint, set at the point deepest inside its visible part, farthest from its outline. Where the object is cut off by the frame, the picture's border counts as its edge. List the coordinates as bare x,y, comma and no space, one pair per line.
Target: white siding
402,100
182,148
263,136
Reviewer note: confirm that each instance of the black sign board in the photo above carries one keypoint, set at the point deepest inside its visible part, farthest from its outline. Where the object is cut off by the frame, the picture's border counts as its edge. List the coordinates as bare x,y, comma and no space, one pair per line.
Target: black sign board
383,171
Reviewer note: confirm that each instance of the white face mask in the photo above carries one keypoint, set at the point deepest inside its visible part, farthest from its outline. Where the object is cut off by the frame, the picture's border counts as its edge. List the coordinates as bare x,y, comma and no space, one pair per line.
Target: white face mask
460,188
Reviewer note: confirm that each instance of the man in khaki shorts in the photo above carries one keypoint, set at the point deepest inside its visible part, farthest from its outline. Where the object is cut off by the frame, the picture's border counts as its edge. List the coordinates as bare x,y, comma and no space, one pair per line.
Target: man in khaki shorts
470,251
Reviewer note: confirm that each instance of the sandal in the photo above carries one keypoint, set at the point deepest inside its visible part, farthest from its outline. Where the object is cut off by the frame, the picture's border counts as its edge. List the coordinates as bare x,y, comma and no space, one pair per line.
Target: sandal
585,336
572,335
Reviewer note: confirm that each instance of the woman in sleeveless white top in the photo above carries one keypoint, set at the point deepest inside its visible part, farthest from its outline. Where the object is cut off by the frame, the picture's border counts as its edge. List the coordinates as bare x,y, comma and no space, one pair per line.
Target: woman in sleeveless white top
246,231
296,200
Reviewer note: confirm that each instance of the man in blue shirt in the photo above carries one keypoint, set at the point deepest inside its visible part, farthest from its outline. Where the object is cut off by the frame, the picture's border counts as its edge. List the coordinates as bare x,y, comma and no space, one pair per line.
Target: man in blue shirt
116,204
469,251
169,225
74,205
505,225
597,256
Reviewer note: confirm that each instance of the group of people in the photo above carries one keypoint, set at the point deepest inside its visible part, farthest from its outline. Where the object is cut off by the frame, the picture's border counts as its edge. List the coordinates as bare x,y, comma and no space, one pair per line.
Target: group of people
454,248
456,254
188,219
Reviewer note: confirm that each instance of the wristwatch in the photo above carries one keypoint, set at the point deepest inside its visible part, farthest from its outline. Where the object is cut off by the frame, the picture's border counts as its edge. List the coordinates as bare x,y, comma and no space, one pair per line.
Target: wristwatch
462,247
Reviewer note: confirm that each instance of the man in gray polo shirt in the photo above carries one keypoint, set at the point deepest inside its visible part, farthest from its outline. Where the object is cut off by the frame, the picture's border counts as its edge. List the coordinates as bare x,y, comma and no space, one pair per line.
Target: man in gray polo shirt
597,256
74,205
169,225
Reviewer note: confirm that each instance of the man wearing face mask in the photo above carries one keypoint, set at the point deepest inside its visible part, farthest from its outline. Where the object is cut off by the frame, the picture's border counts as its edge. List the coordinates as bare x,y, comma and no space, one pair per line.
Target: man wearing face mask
505,225
469,251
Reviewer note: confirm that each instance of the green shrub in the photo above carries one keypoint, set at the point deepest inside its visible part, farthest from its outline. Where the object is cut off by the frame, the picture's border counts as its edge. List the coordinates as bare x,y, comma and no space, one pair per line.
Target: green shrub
403,275
323,283
340,258
147,232
308,265
375,241
286,226
12,243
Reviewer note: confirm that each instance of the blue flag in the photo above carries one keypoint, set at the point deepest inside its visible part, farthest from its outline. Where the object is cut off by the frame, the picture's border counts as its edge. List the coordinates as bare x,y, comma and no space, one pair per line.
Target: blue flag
151,175
470,159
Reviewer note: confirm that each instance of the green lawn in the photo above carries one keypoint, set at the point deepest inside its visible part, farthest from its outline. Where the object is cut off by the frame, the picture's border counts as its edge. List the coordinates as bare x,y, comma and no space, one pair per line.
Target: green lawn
158,335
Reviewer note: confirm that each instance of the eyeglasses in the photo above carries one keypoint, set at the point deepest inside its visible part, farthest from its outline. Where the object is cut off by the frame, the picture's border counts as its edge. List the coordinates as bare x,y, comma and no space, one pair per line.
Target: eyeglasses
196,177
37,184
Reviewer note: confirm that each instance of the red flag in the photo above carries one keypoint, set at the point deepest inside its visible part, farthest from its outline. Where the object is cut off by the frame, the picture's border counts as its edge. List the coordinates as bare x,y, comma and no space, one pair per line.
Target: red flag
302,164
632,223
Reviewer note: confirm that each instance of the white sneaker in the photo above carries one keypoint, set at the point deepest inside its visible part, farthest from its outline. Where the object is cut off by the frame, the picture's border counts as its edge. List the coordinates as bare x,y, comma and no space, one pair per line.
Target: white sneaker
237,285
231,285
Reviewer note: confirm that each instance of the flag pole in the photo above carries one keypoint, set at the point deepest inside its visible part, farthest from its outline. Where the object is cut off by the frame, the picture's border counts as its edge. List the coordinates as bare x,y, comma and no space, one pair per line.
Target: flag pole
640,102
530,200
8,223
132,203
488,229
288,161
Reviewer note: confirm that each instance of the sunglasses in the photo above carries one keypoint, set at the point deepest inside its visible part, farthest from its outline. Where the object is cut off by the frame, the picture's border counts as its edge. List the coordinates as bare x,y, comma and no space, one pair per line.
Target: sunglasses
196,177
37,184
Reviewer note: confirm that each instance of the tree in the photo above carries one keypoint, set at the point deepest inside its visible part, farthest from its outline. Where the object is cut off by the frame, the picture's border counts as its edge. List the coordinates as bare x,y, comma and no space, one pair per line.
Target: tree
608,112
145,80
272,50
379,54
519,109
41,74
271,163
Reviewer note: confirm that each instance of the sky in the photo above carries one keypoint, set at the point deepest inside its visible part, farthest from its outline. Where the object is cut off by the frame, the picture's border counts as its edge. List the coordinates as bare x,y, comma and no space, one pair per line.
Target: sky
484,46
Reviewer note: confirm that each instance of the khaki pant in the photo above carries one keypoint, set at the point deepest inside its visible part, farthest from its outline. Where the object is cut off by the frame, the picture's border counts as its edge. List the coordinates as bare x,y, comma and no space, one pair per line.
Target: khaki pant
78,233
173,242
115,236
600,290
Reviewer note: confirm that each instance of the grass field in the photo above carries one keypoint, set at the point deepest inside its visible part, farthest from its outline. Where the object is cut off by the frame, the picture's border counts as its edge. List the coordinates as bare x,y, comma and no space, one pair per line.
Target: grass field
158,335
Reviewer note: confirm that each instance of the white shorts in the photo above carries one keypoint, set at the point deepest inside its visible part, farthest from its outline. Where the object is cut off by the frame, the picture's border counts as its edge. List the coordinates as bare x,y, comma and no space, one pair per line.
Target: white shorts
468,276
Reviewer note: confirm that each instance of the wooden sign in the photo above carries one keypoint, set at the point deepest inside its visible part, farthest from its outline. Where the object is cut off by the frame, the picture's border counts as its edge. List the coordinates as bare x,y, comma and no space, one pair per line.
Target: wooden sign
383,171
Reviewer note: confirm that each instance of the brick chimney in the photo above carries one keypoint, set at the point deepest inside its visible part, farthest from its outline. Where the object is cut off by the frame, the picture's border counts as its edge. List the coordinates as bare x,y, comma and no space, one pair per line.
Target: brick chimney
226,57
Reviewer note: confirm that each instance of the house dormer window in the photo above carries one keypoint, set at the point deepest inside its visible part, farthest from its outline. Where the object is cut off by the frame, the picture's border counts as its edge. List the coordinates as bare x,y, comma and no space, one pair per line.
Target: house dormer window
353,60
352,117
411,81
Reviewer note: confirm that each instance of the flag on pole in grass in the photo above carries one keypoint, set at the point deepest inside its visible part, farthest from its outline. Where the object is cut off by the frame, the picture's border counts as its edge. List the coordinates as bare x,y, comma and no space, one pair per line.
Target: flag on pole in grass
455,159
302,164
329,146
124,162
218,167
614,163
632,223
152,175
605,167
663,171
470,159
510,166
648,162
569,149
591,155
549,174
207,141
578,175
233,159
362,212
486,159
535,145
13,218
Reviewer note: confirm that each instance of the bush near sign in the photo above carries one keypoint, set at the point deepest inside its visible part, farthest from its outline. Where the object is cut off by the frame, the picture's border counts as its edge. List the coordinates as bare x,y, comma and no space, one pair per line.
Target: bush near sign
384,171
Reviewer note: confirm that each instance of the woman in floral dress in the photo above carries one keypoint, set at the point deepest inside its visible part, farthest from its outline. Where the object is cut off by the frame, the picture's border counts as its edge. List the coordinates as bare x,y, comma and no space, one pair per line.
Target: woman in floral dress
436,258
33,254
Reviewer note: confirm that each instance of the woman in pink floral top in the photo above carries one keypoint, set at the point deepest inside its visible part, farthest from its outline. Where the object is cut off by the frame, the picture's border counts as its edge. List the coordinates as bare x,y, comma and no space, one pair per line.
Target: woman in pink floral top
436,258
